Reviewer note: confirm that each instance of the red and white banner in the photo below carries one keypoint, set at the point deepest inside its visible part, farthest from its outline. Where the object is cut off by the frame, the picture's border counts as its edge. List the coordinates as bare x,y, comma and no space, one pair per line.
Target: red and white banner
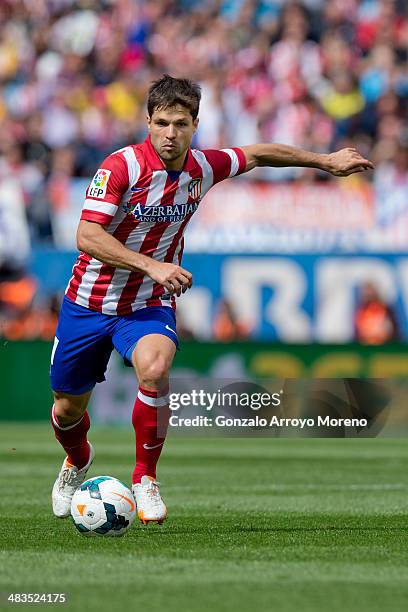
295,206
240,216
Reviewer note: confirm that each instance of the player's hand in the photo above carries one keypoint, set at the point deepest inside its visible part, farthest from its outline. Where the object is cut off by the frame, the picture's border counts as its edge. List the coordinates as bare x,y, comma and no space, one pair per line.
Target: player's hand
346,162
174,278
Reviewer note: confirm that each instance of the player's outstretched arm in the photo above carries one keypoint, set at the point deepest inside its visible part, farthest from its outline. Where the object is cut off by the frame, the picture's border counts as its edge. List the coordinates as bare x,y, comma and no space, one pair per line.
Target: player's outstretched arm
341,163
94,240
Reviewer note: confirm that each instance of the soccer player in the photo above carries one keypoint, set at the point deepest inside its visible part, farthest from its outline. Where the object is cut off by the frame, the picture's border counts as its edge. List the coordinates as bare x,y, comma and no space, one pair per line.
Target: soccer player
124,284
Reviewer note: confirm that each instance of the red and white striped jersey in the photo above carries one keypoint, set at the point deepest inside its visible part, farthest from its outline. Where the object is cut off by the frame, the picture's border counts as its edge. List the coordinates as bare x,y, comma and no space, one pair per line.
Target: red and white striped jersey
147,208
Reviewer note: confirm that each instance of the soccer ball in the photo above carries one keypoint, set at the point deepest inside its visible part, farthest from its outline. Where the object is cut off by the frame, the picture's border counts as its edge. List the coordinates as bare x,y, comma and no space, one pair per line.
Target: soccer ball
103,506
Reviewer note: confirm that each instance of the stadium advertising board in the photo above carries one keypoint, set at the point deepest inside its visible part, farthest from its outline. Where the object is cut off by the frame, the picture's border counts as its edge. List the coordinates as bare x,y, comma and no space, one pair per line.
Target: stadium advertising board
197,363
299,298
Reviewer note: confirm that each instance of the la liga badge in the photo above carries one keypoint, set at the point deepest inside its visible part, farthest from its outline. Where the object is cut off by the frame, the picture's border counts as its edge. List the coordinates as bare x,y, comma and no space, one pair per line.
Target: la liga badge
99,183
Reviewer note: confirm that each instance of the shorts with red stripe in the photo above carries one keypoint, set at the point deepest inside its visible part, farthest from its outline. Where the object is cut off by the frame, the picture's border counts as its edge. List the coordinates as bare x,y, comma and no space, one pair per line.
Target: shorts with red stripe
85,339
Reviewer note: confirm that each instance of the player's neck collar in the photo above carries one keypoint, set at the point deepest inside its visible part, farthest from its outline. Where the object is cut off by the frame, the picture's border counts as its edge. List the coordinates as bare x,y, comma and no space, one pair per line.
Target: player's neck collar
156,163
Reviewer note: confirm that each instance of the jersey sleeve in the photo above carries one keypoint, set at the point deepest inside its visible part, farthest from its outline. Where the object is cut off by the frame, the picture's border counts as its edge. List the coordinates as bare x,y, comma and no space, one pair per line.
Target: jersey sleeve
225,162
106,189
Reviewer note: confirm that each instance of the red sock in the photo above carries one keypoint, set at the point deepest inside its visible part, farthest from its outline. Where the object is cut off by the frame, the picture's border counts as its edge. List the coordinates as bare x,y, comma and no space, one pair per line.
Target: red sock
150,420
73,439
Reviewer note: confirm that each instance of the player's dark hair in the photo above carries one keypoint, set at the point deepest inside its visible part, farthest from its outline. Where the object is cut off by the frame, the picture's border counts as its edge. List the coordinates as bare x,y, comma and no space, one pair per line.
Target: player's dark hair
168,91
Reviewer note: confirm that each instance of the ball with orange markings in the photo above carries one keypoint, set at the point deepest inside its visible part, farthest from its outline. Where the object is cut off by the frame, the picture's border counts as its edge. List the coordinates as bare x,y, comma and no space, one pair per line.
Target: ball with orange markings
103,506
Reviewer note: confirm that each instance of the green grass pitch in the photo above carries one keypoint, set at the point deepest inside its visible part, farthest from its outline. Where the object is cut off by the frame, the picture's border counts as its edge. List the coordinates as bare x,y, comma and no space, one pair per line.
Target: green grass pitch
269,524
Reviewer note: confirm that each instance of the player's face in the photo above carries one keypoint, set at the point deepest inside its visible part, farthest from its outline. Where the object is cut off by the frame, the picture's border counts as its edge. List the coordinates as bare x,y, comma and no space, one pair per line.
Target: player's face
171,132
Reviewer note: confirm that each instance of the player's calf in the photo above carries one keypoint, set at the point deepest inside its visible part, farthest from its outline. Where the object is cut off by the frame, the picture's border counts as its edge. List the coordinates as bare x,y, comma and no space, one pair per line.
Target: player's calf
80,454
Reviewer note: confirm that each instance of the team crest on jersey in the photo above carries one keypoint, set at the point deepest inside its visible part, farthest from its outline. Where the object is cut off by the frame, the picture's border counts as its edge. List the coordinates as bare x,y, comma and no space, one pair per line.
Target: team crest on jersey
194,188
99,183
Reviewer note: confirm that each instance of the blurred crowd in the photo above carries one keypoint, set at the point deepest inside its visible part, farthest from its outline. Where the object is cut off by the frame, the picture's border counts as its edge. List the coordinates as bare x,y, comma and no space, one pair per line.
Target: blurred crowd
319,74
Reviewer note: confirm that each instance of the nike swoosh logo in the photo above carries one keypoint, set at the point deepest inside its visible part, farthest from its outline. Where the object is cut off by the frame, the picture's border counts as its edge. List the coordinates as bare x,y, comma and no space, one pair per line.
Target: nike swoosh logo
172,330
132,504
147,447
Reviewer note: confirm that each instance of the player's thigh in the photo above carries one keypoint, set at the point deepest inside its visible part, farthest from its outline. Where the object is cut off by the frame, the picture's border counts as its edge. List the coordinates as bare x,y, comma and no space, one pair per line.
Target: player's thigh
147,340
81,351
152,357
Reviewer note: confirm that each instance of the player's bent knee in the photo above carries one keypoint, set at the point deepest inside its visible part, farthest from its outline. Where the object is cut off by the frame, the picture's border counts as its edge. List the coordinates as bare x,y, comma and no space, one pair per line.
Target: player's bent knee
153,372
152,359
70,407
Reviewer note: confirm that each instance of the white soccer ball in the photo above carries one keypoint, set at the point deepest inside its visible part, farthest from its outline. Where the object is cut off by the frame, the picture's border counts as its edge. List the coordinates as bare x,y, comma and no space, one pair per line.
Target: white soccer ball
103,506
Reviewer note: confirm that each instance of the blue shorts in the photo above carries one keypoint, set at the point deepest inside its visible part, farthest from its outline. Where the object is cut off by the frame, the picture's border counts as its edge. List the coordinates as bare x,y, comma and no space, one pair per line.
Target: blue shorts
85,339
